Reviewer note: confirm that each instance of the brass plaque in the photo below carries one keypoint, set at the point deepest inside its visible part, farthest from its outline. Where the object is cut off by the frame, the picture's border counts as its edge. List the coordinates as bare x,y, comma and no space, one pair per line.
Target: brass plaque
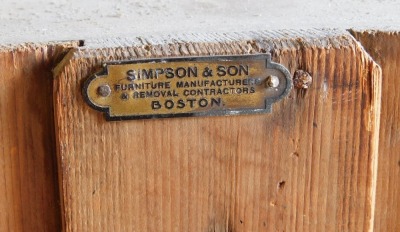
189,86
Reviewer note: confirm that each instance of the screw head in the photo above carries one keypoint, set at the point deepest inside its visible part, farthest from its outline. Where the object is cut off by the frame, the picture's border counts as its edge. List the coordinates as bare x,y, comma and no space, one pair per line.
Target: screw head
104,90
272,81
302,79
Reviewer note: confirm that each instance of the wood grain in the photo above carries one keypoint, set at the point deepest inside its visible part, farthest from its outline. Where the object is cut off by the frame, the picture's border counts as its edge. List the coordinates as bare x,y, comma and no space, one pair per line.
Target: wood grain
384,47
28,180
308,166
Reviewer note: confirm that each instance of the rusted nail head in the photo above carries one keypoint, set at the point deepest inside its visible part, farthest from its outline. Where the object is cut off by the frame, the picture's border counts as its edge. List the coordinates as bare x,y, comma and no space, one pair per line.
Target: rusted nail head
302,79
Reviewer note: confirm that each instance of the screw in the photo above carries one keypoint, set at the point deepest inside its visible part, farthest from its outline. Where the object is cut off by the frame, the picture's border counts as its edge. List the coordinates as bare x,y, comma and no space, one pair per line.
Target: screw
104,90
302,79
272,81
124,96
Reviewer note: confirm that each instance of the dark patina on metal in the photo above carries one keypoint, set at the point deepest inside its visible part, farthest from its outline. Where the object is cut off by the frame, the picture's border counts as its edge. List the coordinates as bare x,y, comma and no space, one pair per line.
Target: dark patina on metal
187,86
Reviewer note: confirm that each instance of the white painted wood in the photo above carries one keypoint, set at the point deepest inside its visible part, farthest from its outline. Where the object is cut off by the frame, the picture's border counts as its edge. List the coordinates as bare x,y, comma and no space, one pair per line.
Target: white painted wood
55,20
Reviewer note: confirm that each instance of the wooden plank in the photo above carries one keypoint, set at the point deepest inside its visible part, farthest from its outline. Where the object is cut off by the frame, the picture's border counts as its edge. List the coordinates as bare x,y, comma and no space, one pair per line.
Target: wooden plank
308,166
28,182
384,47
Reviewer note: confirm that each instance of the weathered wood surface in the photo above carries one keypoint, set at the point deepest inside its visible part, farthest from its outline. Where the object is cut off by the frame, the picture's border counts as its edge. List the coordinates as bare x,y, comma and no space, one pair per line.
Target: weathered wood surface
28,181
384,47
308,166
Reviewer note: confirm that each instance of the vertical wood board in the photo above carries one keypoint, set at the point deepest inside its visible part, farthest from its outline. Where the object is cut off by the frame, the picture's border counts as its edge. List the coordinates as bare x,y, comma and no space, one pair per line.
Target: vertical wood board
29,197
384,47
310,165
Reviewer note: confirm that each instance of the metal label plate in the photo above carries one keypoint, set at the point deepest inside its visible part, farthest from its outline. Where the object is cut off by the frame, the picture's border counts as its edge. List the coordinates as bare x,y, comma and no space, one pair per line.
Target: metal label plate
189,86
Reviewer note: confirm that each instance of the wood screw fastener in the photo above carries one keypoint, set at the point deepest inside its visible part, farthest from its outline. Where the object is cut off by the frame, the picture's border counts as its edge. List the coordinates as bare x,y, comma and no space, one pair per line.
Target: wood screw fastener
272,82
104,90
302,79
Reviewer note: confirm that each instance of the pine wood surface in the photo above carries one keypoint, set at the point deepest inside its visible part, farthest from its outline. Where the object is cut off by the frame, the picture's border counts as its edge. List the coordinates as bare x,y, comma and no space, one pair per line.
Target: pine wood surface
384,47
310,165
28,181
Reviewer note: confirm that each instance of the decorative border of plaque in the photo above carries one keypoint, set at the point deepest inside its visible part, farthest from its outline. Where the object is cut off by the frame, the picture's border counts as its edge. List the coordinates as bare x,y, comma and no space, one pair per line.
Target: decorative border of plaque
187,86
